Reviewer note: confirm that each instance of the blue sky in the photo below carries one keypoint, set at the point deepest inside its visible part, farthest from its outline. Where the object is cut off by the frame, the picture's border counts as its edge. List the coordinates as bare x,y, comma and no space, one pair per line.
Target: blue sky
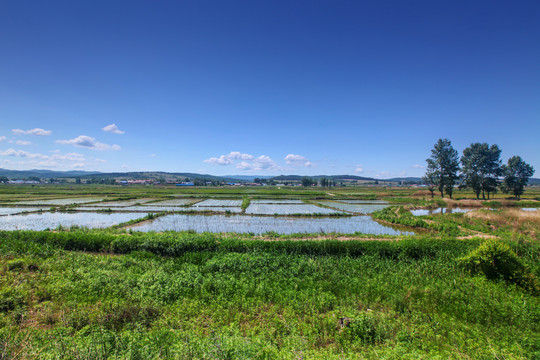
265,87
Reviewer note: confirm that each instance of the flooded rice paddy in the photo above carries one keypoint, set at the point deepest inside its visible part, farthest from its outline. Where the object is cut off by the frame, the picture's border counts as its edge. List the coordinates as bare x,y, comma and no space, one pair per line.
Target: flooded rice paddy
176,202
364,201
216,202
359,208
92,212
287,209
59,202
276,201
264,224
423,212
48,220
17,210
124,203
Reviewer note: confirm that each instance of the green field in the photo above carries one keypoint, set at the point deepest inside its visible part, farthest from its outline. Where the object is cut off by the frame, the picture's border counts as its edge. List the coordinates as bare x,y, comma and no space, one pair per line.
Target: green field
465,287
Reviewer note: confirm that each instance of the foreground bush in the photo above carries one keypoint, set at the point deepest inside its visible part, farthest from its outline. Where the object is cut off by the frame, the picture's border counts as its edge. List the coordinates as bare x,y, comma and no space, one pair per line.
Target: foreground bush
496,260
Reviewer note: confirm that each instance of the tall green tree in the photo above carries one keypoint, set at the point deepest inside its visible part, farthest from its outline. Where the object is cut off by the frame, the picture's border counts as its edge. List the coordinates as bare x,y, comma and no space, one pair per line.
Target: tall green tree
481,167
443,166
516,175
324,182
307,181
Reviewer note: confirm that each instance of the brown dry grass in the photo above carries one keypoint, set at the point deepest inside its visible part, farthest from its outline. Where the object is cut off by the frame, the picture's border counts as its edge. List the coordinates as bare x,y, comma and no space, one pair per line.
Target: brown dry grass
463,202
505,215
527,222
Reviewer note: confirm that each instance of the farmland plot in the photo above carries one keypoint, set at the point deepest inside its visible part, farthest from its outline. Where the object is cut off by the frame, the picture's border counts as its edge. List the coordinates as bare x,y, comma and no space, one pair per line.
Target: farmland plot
264,224
53,220
121,203
287,209
216,202
276,201
360,208
59,202
17,210
176,202
423,212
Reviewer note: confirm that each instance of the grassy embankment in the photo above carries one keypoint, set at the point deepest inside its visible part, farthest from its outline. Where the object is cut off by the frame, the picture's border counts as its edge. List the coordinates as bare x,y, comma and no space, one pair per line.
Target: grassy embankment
185,295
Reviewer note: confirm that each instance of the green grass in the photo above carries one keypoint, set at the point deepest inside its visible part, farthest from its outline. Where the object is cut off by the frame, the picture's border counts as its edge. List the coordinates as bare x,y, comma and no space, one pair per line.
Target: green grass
204,296
116,294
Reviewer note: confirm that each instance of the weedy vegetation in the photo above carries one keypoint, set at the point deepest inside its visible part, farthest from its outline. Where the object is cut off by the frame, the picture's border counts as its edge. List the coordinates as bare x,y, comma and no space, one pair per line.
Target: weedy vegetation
466,286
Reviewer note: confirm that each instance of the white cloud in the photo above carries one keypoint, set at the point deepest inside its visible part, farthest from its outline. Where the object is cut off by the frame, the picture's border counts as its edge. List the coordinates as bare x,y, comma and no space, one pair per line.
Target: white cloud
359,169
298,160
249,162
68,157
264,162
113,129
229,158
22,153
48,163
243,166
417,166
89,143
20,142
2,138
222,160
236,155
36,132
55,160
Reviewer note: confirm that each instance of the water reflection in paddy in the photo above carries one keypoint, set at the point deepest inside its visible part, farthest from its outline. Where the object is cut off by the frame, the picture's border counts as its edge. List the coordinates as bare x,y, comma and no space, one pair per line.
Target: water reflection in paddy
422,212
360,208
53,220
17,210
263,224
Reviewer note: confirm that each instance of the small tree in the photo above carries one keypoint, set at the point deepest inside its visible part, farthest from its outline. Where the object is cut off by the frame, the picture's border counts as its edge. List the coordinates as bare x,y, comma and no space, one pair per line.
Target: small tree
516,175
324,182
443,166
430,180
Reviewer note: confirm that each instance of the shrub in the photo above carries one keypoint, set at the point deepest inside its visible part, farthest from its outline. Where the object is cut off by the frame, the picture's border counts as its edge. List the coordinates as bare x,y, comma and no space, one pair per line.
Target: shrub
496,260
10,299
363,329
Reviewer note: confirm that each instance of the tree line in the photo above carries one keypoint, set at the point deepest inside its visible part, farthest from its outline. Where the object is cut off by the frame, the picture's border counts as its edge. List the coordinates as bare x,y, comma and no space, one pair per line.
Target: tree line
480,168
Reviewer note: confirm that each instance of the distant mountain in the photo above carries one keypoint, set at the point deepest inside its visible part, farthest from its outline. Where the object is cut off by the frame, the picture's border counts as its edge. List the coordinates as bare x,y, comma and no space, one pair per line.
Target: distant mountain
534,181
416,180
247,177
347,177
158,175
332,177
23,174
173,176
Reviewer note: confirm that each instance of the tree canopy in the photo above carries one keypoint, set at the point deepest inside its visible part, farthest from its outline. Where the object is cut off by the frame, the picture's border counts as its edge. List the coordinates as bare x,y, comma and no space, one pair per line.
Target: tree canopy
443,166
481,167
516,175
